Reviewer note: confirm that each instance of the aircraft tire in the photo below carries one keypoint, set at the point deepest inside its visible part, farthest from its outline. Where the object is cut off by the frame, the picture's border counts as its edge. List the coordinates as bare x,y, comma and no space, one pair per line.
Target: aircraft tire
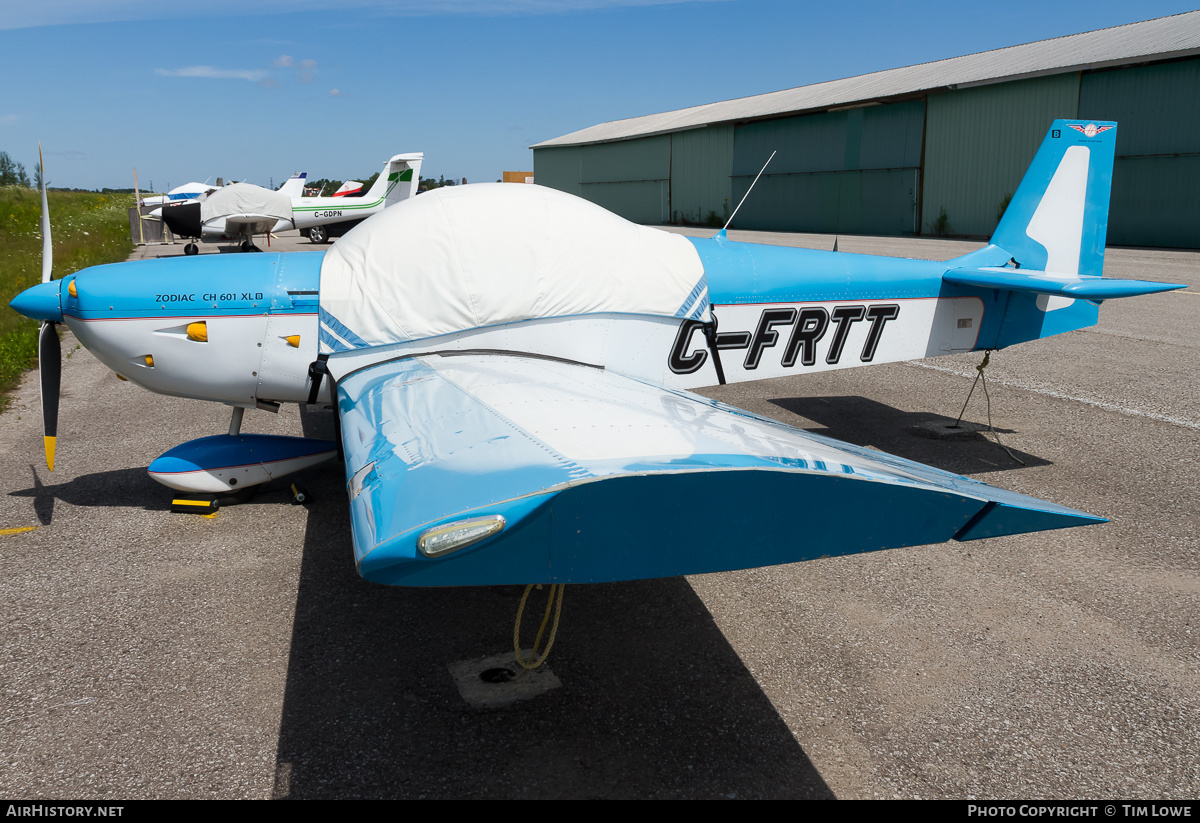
318,234
191,248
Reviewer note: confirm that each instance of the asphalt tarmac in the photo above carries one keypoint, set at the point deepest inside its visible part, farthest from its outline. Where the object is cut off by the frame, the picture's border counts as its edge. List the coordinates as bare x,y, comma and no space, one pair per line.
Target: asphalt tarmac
155,655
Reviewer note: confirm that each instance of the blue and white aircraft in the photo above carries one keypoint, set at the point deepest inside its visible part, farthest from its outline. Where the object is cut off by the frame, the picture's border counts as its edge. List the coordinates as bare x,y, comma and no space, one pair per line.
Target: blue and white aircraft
179,194
510,367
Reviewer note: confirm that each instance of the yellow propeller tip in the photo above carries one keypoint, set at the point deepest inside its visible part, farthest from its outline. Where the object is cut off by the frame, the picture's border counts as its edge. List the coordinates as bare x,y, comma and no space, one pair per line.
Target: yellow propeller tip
48,442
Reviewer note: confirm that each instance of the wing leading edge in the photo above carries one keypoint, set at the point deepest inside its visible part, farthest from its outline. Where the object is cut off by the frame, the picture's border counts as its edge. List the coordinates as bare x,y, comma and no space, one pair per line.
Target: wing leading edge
601,477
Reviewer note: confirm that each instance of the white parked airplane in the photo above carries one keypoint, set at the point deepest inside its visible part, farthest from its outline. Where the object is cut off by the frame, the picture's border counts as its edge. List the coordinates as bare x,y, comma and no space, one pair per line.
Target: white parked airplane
234,197
238,212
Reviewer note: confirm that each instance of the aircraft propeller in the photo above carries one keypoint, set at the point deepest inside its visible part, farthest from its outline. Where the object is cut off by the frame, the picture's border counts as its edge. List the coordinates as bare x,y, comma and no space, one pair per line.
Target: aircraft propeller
49,347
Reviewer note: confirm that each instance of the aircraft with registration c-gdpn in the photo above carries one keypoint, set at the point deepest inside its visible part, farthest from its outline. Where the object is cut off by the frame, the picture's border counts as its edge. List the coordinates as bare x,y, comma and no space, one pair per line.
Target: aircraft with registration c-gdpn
510,367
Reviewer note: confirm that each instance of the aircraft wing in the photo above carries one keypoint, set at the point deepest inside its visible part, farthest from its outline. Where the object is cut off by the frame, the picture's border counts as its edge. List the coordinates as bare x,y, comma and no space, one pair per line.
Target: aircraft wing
256,223
564,472
247,208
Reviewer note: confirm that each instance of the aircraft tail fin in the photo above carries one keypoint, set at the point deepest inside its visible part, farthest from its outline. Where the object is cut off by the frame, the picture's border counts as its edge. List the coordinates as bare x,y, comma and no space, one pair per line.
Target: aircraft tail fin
1048,251
294,186
1058,218
399,179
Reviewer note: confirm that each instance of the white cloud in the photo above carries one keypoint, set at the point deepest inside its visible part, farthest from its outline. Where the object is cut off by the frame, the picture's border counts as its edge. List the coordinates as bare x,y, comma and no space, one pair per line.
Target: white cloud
334,93
308,64
5,119
269,83
253,75
284,61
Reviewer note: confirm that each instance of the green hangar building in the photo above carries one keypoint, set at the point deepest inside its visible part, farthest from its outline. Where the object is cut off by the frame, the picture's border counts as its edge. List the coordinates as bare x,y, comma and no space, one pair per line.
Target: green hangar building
933,149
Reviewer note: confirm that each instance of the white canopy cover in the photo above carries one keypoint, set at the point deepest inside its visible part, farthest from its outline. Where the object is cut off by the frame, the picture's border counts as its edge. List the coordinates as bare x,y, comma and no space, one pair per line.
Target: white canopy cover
245,199
467,257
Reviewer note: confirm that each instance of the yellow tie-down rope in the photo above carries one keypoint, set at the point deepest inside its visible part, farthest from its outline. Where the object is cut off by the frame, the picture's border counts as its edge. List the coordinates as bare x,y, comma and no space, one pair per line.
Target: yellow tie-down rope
534,659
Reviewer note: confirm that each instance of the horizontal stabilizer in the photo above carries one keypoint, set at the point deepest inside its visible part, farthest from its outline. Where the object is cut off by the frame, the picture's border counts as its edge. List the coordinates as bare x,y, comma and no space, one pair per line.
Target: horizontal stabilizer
1040,282
557,472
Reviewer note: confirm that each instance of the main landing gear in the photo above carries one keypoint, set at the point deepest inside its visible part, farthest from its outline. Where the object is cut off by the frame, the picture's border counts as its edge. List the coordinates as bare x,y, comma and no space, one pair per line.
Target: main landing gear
191,248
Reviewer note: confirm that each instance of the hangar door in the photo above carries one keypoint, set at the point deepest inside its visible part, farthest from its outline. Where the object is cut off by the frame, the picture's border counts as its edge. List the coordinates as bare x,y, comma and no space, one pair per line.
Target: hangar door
1156,176
631,178
854,171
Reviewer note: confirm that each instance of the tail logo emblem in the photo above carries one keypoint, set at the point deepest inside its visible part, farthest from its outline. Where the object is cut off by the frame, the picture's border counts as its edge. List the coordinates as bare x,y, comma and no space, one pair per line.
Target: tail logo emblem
1091,129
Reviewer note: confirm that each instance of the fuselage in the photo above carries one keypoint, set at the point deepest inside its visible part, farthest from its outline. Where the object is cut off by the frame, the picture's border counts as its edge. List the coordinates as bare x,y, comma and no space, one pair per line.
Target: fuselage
315,211
238,329
243,330
784,310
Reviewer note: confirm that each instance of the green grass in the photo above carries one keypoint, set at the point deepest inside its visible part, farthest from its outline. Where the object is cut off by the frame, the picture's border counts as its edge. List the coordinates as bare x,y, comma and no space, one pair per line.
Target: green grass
88,229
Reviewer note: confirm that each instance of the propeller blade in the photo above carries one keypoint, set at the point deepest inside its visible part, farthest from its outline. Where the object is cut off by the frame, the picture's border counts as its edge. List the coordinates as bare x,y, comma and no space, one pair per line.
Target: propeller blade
47,246
50,372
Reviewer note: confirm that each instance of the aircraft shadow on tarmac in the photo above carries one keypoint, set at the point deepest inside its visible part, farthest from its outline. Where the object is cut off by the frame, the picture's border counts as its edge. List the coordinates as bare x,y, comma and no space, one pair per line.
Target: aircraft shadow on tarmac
120,487
132,488
654,701
866,422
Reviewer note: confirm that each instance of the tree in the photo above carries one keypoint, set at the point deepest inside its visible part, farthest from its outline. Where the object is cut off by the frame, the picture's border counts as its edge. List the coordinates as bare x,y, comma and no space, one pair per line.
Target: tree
12,173
428,183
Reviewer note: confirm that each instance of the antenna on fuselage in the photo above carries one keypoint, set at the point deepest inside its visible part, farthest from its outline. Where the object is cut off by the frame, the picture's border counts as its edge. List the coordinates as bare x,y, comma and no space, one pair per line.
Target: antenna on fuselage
721,233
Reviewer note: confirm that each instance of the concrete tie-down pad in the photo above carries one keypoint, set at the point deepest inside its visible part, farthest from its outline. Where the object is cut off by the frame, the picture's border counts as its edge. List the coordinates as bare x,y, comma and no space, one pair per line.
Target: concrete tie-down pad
498,681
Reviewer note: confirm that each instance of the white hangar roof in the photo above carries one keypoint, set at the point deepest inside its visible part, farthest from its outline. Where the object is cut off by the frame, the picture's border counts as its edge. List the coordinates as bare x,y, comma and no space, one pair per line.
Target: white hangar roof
1158,39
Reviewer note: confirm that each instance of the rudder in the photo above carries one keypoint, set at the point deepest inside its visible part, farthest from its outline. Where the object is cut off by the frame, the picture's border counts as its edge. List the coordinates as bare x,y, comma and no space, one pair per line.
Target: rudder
1058,218
399,179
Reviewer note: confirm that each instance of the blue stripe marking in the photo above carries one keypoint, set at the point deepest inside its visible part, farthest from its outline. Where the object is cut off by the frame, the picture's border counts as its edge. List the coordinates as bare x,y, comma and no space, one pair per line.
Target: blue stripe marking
339,328
696,291
329,341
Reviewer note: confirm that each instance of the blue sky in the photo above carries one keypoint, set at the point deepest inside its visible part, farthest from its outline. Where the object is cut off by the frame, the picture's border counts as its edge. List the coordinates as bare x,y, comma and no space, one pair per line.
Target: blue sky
187,91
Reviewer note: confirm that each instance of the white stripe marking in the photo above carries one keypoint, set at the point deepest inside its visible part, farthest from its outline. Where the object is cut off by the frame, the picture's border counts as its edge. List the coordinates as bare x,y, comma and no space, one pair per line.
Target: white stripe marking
336,336
1162,418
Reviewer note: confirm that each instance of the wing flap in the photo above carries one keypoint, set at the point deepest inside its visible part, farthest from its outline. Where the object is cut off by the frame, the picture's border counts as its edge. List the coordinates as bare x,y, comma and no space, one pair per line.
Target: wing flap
603,477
